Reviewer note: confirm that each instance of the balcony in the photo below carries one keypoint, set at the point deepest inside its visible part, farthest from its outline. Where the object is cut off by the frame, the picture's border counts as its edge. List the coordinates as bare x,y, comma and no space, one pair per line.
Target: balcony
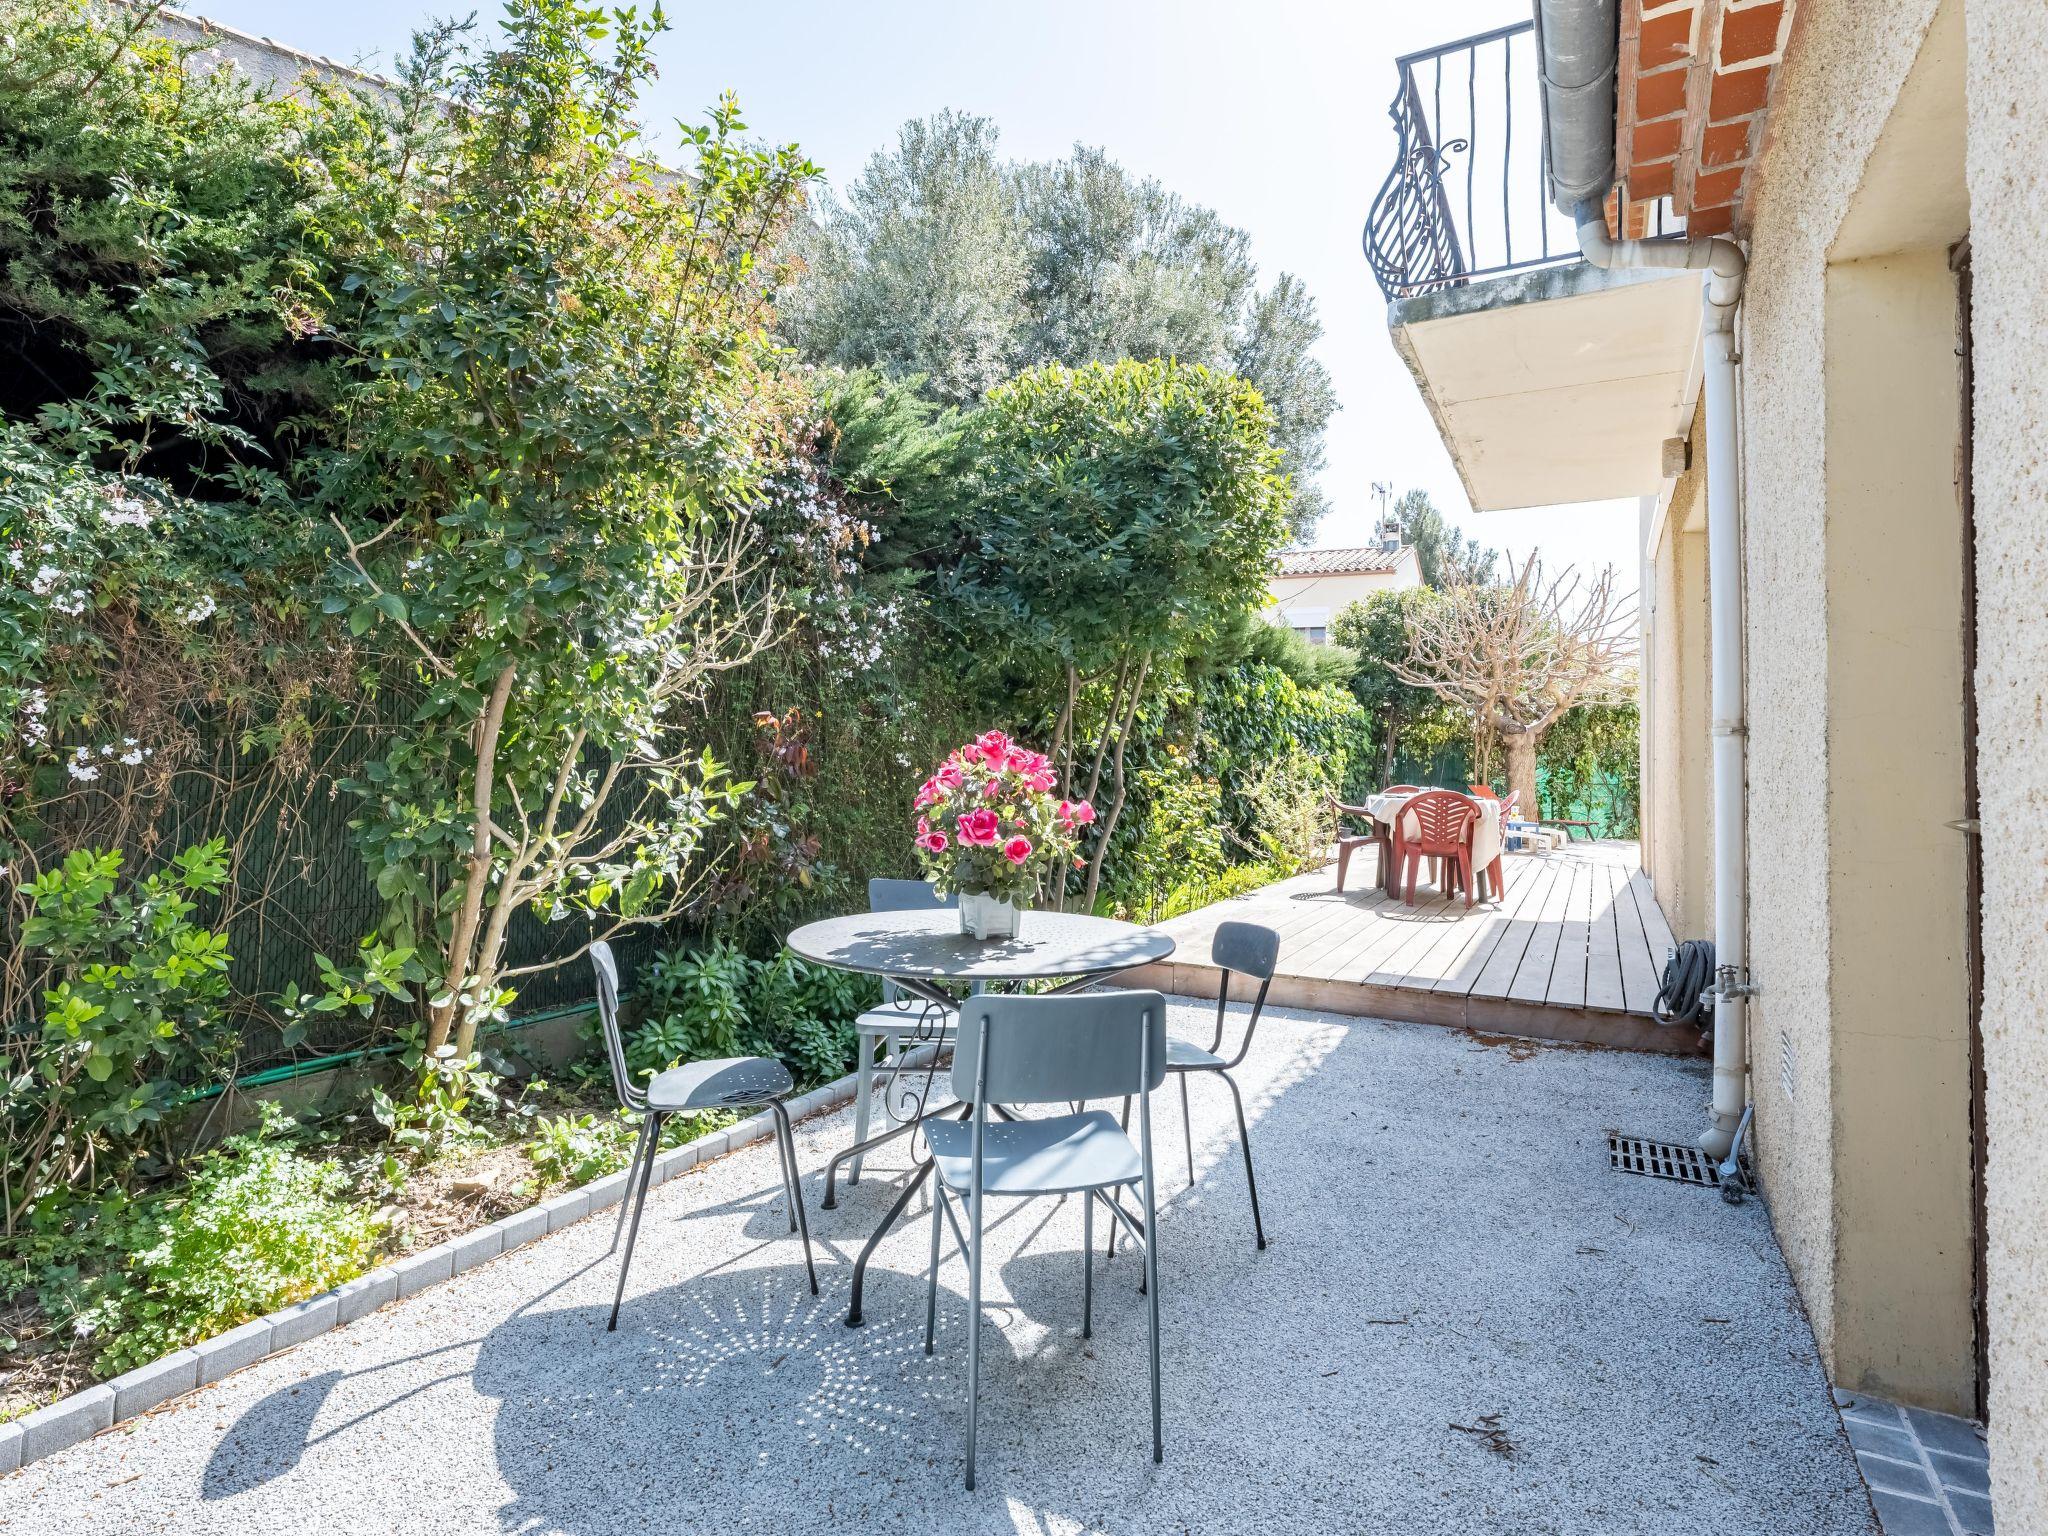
1551,381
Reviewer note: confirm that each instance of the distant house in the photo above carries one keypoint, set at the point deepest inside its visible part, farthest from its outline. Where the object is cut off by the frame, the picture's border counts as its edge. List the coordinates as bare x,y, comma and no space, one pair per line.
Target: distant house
1312,586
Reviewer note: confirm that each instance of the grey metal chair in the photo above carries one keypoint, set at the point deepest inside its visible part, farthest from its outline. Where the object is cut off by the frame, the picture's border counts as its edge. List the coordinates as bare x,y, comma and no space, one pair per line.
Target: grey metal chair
733,1082
1250,950
897,1017
1049,1050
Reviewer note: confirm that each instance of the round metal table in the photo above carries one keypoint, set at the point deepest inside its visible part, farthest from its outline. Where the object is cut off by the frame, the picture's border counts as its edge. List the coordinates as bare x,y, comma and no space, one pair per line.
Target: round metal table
918,951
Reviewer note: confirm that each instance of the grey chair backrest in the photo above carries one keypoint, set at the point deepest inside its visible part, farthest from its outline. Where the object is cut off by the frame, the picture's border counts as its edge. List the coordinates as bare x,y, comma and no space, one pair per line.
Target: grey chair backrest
1246,948
1047,1050
905,896
607,970
1249,950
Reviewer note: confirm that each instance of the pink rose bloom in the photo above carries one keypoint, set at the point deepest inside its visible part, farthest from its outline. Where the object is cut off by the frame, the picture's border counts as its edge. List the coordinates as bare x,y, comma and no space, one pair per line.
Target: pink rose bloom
980,827
992,789
994,745
932,842
1039,782
949,777
1017,849
967,754
1083,814
927,794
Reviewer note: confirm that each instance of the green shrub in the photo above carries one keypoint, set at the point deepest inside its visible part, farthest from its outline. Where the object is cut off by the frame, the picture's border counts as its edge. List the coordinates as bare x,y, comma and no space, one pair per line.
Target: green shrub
1180,838
574,1149
134,995
695,1008
258,1226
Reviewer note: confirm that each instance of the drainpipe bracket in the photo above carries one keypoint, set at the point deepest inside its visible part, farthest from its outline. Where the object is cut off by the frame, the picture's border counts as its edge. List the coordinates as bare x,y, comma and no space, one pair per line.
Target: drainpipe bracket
1737,728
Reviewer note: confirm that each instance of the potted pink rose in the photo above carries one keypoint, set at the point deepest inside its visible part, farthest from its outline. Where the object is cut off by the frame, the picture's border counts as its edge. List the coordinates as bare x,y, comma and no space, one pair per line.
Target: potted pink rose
990,829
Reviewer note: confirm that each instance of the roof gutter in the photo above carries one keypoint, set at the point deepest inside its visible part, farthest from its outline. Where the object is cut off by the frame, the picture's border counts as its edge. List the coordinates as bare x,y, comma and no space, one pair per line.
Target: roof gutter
1578,42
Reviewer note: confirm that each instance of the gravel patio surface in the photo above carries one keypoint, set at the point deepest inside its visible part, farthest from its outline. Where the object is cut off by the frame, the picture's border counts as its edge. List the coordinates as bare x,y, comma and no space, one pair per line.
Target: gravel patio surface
1466,1322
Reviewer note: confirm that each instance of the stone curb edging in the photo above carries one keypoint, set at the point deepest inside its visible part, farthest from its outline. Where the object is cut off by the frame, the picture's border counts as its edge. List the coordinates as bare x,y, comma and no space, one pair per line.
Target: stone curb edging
105,1404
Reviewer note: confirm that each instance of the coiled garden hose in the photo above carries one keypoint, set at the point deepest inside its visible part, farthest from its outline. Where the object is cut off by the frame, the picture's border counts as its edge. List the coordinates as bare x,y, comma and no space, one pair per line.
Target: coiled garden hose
1687,973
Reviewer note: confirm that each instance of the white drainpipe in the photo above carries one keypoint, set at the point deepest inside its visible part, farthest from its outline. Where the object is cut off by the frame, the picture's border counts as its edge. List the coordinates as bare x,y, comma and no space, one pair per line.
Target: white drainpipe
1724,264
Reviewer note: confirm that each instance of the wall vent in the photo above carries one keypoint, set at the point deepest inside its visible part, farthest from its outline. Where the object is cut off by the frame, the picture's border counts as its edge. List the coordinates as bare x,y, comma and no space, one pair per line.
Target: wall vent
1788,1068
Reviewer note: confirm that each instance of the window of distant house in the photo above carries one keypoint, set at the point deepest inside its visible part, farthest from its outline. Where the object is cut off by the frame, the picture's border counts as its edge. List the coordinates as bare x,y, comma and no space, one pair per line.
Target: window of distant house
1314,634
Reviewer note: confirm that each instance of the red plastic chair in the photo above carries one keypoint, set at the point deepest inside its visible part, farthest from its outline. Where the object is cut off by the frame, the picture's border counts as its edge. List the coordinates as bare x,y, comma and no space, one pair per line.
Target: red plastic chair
1349,843
1443,830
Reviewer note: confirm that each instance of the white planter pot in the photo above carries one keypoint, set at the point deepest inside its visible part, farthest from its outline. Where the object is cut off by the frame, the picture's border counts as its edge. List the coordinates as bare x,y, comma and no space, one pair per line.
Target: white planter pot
984,917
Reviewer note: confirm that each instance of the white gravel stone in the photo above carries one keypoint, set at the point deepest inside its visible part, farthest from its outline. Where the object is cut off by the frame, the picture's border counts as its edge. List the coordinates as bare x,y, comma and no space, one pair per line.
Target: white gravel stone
1449,1248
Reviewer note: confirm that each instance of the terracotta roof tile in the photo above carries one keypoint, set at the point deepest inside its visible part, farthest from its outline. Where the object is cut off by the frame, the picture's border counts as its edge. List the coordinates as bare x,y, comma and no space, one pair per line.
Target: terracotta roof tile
1339,562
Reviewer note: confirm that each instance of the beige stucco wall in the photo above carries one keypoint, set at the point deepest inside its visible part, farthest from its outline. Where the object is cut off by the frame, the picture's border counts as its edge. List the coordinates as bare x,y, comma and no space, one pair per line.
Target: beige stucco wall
1840,81
1897,876
2008,178
1835,88
1678,827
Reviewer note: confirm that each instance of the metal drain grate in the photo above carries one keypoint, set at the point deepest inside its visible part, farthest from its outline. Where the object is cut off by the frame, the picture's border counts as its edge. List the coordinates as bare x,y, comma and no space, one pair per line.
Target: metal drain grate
1662,1160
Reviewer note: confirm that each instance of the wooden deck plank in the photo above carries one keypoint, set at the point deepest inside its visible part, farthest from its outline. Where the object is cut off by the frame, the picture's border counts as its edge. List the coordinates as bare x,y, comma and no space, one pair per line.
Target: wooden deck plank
1397,927
1524,883
1440,963
1531,983
1316,940
1641,970
1568,967
1603,939
1497,979
1655,929
1428,926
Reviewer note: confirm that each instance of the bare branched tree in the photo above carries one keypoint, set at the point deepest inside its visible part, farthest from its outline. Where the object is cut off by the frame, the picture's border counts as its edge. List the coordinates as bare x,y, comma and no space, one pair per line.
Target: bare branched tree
1518,654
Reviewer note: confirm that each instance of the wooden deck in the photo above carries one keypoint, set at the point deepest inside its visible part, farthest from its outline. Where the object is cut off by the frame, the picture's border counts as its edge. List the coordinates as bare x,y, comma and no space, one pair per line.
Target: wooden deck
1573,952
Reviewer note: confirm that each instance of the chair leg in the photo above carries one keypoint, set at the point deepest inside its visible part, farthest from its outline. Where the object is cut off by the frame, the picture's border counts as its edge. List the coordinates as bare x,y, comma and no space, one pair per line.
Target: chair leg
785,1163
796,1190
863,1091
1124,1122
1088,1264
639,1202
1497,872
1244,1140
973,1330
1151,1269
1344,852
1465,873
931,1294
633,1170
1187,1126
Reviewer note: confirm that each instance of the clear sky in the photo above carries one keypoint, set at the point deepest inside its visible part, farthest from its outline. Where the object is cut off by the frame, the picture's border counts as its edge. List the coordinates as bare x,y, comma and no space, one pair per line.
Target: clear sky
1272,112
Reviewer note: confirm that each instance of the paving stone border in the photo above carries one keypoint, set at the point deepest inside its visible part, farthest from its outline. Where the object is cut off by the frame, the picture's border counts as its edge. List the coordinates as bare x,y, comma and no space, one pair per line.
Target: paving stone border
105,1404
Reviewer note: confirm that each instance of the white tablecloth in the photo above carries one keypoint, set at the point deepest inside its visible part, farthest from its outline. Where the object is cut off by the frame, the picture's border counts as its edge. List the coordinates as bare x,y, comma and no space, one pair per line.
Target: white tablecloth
1485,831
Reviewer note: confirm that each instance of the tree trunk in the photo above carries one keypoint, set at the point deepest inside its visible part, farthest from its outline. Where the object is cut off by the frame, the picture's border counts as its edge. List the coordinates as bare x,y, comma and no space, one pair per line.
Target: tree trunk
462,934
1521,754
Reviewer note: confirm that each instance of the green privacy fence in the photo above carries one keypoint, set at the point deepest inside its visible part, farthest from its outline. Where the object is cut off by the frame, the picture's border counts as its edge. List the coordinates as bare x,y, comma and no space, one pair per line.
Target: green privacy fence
1608,798
299,888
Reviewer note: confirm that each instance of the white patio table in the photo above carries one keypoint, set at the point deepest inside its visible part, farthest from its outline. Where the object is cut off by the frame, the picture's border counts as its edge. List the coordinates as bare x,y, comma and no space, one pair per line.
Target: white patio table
923,951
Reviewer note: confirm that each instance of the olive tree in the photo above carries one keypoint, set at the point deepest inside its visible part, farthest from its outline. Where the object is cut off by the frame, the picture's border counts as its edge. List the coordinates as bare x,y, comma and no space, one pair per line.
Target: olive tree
562,404
1112,519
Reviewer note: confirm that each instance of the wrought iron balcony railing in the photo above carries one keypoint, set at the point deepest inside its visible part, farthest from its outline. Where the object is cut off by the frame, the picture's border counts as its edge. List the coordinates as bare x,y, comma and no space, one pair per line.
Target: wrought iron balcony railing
1467,196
